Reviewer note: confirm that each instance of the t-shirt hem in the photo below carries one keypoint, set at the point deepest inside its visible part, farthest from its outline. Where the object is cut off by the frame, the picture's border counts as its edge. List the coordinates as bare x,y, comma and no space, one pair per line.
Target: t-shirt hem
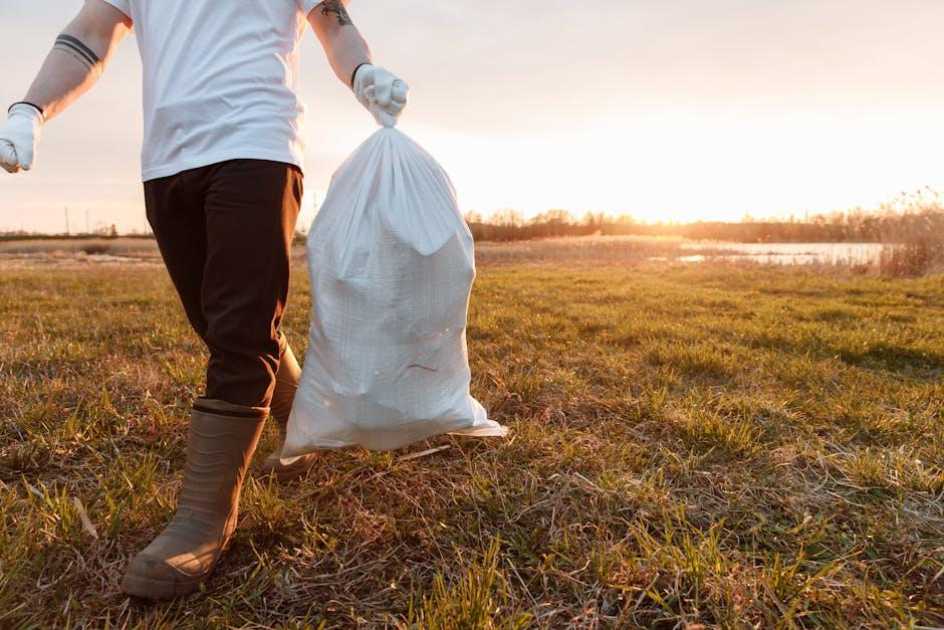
175,168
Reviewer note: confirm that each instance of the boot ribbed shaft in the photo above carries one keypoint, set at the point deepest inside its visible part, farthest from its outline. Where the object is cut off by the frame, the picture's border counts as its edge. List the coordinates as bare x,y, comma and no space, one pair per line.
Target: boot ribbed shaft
218,454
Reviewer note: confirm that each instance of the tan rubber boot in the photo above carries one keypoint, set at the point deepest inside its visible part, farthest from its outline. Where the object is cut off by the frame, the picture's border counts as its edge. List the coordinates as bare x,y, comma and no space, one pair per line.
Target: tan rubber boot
222,440
286,384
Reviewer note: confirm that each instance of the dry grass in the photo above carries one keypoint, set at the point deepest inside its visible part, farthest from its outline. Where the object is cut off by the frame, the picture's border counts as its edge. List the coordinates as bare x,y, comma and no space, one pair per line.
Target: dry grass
912,257
727,446
78,252
915,247
133,247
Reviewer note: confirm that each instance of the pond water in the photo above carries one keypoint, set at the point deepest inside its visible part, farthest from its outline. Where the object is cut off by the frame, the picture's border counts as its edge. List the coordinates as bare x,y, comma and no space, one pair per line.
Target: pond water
784,253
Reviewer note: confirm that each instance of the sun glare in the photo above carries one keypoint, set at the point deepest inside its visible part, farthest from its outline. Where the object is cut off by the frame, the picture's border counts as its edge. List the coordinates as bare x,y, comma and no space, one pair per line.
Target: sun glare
679,165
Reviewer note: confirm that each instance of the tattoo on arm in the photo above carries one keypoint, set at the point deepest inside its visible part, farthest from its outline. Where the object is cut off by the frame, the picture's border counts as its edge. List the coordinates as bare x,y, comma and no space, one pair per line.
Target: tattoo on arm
74,47
336,7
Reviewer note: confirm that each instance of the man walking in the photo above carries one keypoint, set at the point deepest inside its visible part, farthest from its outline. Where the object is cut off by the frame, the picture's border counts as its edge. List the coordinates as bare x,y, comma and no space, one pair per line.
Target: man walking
222,175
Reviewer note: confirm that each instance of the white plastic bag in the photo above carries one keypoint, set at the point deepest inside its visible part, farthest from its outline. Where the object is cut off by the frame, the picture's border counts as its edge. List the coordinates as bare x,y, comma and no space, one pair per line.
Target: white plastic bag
392,264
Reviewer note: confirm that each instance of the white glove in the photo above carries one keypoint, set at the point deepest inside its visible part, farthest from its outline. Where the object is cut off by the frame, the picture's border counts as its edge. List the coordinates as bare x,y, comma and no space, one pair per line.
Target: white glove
382,93
19,136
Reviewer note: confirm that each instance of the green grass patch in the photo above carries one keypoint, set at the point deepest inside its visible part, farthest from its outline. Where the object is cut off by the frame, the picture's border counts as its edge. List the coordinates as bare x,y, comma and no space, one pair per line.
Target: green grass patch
692,446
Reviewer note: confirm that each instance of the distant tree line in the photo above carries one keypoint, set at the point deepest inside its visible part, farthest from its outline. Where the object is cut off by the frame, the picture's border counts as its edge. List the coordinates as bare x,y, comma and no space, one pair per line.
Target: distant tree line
104,232
911,217
853,226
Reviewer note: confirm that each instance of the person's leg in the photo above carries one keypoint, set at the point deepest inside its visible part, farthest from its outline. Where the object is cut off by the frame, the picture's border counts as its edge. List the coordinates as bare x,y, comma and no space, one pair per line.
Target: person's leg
251,362
175,211
174,208
249,210
245,290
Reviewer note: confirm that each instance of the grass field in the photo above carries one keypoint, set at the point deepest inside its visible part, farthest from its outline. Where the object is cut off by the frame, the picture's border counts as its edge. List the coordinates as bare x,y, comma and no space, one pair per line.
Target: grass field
701,446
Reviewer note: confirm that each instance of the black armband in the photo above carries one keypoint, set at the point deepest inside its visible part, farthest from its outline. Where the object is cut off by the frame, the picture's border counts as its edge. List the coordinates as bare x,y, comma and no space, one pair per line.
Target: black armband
77,49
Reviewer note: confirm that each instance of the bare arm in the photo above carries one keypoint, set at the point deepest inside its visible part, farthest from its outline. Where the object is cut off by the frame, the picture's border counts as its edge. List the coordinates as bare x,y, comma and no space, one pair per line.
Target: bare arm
342,42
378,90
78,58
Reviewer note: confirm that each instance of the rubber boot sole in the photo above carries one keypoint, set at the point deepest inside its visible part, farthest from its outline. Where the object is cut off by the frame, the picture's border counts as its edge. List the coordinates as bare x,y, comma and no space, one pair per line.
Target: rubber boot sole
159,590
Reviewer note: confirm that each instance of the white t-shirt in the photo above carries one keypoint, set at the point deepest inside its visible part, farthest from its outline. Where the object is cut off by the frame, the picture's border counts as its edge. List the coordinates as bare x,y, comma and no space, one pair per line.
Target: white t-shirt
219,81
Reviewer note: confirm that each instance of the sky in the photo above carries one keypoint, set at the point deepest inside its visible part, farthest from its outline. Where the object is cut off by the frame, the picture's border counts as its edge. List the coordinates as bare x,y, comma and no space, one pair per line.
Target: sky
664,109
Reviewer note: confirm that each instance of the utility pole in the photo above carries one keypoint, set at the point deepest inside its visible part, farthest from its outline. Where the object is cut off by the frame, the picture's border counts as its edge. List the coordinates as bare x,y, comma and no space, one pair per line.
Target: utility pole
67,220
87,230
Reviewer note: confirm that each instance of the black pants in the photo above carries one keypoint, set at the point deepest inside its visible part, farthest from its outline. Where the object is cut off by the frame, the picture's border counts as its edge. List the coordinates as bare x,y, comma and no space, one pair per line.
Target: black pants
225,232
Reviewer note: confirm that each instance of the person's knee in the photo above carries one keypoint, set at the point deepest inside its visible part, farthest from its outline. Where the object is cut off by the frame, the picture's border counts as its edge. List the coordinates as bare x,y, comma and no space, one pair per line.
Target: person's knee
242,370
